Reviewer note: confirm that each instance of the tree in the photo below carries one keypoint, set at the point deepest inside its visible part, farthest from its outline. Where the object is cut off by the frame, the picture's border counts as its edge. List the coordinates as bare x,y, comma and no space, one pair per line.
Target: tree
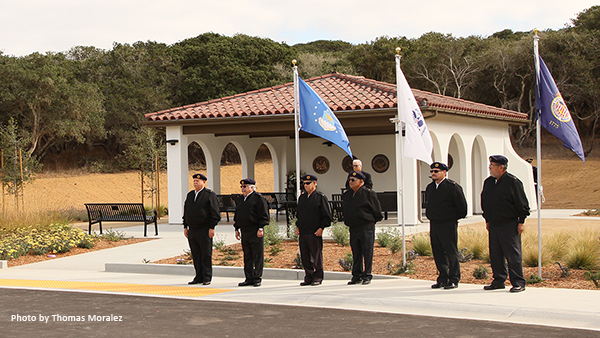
375,60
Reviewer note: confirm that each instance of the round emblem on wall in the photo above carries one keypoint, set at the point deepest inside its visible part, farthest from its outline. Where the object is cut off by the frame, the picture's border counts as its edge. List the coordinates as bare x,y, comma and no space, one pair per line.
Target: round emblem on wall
380,163
347,164
321,164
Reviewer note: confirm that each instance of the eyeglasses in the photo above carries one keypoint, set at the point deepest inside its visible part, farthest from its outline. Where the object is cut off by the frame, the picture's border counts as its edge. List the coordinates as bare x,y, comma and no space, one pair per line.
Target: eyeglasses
434,171
307,183
352,179
495,165
243,186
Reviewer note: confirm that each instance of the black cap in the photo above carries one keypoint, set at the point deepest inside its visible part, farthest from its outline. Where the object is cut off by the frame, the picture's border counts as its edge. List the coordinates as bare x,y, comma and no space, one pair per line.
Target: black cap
439,165
358,175
500,159
248,181
200,176
309,177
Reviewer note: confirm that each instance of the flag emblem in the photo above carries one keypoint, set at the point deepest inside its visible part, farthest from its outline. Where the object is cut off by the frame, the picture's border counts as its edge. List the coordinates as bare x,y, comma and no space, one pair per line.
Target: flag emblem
559,109
326,121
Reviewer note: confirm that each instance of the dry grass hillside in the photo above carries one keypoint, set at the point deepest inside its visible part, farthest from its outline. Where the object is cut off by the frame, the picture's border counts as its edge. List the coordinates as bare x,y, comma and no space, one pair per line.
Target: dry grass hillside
567,184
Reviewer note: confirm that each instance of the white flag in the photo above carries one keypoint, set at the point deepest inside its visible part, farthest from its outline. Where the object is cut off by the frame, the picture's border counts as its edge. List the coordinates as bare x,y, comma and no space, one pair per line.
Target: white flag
418,142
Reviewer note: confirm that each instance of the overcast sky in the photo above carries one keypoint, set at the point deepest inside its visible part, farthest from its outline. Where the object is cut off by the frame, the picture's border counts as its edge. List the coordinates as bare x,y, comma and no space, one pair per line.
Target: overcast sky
28,26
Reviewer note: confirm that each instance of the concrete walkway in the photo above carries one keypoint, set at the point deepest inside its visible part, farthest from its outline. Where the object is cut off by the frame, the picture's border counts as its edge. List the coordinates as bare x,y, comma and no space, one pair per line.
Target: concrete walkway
124,267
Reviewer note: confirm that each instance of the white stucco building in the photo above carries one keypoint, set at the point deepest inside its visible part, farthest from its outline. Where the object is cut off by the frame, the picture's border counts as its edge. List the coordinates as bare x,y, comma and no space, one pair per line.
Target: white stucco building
464,133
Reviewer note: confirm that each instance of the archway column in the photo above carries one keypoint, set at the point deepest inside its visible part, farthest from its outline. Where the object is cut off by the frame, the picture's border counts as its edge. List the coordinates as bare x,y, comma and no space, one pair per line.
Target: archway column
177,173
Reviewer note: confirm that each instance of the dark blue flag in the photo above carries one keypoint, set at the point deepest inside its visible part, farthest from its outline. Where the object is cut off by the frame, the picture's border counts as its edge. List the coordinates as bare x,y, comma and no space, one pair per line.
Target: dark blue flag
316,118
553,112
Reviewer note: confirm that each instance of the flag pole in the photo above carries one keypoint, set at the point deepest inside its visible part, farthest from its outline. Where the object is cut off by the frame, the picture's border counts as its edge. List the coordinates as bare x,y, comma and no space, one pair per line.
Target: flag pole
297,127
399,162
536,54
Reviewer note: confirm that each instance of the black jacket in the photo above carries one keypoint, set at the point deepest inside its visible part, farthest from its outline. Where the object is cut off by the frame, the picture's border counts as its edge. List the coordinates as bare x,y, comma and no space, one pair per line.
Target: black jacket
445,203
313,213
361,209
504,201
251,214
203,212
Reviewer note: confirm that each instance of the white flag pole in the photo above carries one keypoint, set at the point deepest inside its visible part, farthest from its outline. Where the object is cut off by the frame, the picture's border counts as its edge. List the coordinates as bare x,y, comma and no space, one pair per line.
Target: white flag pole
536,54
297,127
399,155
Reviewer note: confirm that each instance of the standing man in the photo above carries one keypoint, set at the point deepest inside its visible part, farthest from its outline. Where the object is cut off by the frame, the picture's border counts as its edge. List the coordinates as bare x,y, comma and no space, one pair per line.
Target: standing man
361,211
357,166
313,216
505,208
200,216
446,204
251,215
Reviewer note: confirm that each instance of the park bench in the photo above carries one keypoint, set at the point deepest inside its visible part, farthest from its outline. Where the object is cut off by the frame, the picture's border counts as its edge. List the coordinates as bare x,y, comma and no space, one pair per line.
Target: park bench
120,212
277,201
227,203
388,201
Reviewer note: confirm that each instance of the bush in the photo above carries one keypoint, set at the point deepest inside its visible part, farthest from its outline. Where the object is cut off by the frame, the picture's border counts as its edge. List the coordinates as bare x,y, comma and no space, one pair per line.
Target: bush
421,244
476,242
218,242
291,231
113,235
398,269
271,234
340,233
347,262
481,272
534,279
584,253
390,238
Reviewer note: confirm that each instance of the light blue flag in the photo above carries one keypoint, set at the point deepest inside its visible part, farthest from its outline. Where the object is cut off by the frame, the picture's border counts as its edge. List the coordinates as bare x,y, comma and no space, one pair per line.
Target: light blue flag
553,112
316,118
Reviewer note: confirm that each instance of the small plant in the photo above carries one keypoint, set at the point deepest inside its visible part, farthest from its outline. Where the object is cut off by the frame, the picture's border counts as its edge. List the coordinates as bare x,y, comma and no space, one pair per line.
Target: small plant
585,252
298,262
268,259
271,234
182,261
481,272
411,255
113,236
464,255
592,212
476,242
225,263
187,253
421,244
398,269
593,276
145,261
227,250
391,239
218,242
230,258
534,279
291,231
274,250
346,262
340,233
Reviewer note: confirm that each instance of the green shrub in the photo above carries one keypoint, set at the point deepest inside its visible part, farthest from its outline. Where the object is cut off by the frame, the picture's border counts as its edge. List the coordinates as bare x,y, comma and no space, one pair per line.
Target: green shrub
476,242
340,233
421,244
218,242
481,272
291,231
390,238
113,235
593,276
398,269
271,234
347,262
534,279
584,252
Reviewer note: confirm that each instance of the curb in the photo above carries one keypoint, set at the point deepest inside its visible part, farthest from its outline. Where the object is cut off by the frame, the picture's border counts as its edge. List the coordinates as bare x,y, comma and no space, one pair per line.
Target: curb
223,271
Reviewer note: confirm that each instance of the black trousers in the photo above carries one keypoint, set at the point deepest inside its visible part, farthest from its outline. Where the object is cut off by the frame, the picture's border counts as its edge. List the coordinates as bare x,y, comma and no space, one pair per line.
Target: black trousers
444,239
201,248
253,247
361,243
505,243
311,253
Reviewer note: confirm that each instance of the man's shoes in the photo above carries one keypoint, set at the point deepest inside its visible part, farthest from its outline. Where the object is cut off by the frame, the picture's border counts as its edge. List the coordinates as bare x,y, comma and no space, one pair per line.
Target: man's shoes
305,283
366,282
206,283
517,289
315,283
354,281
493,287
438,285
256,284
451,286
193,282
245,283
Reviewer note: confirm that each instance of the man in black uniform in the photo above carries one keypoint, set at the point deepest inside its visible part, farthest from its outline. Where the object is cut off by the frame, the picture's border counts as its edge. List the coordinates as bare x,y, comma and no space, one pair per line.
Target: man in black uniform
357,166
200,216
251,215
313,216
505,208
361,211
446,204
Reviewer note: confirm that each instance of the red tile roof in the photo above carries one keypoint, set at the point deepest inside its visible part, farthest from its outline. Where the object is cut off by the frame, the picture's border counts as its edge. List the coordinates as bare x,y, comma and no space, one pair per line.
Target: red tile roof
341,92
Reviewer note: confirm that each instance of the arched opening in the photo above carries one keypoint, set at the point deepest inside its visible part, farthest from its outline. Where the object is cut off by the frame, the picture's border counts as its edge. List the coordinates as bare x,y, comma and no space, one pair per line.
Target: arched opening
263,168
455,160
478,172
196,161
231,169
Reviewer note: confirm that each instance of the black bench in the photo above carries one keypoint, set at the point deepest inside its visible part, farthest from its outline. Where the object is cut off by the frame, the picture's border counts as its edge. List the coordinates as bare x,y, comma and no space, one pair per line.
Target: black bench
388,201
337,211
277,201
227,204
121,212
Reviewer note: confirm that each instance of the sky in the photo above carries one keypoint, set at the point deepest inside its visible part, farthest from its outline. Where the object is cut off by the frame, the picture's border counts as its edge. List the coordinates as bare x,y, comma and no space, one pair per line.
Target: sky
28,26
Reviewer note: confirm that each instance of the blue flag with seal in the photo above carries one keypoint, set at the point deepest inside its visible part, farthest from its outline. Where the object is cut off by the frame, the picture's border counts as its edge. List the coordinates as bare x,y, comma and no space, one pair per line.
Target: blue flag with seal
553,112
317,118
